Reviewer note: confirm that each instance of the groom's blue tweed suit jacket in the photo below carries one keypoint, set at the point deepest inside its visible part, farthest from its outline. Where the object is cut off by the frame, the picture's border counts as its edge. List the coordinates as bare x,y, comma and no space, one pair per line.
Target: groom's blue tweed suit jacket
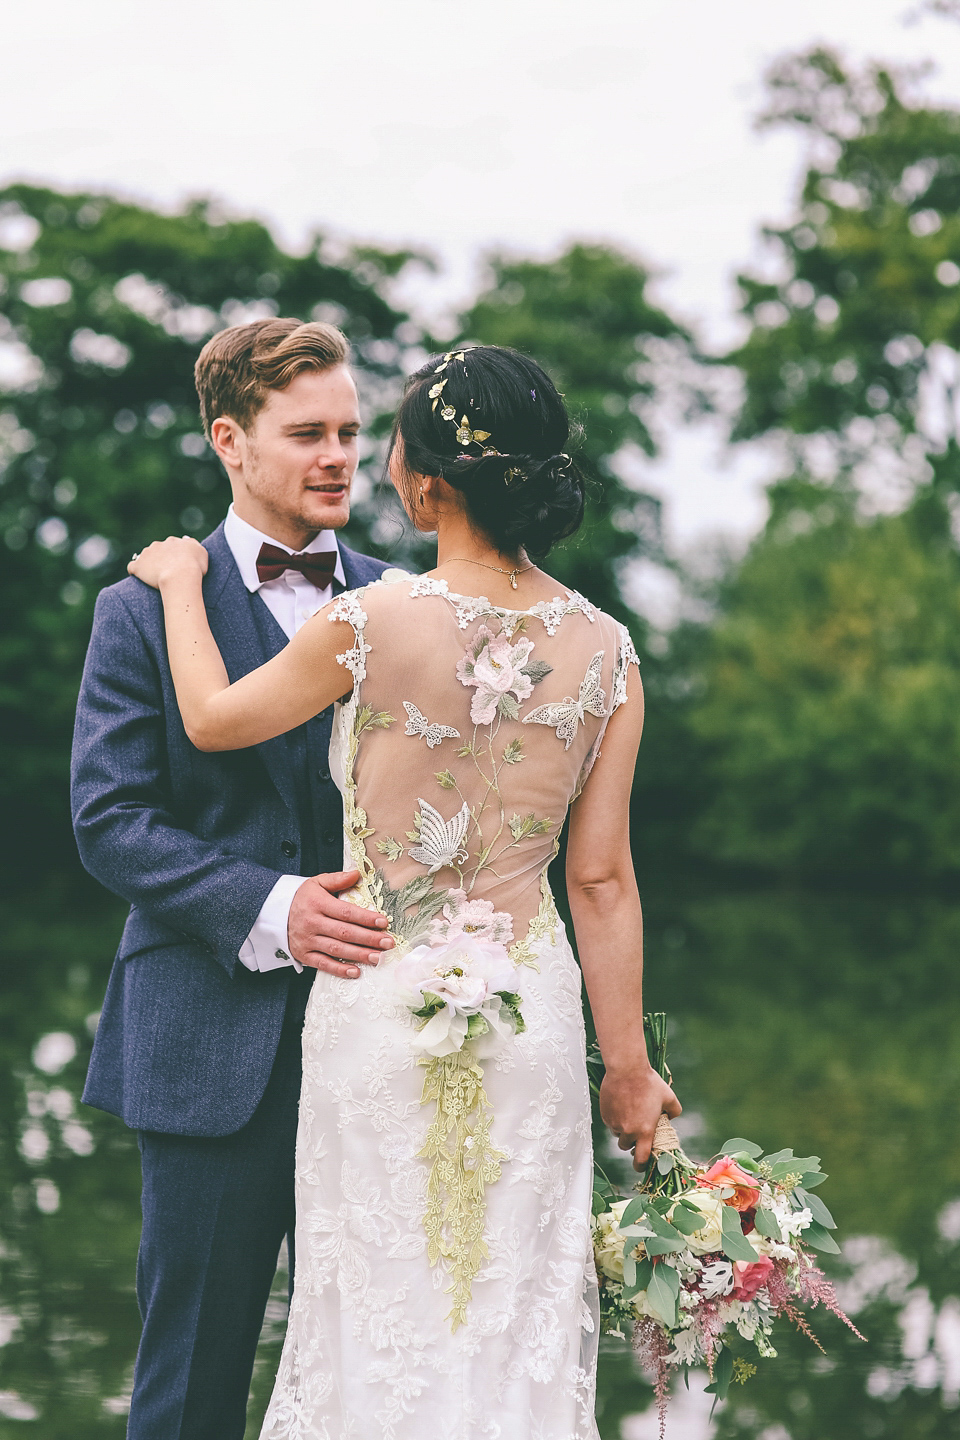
195,843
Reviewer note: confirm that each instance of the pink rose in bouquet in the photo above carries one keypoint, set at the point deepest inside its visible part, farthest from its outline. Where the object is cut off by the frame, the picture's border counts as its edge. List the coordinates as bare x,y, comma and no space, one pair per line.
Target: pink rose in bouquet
750,1279
724,1173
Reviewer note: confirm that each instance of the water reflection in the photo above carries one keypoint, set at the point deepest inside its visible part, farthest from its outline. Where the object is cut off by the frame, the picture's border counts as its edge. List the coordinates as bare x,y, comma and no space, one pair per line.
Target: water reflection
826,1023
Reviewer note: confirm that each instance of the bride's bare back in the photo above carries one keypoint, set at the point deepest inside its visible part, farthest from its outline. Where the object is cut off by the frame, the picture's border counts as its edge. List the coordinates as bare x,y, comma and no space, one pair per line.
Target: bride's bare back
470,729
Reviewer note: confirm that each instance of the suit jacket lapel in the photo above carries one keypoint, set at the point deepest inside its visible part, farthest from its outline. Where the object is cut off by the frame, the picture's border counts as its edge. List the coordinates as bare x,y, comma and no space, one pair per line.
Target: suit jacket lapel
245,645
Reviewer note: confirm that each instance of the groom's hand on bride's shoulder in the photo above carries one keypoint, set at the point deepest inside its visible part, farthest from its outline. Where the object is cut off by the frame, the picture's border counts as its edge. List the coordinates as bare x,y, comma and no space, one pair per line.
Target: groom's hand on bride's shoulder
327,933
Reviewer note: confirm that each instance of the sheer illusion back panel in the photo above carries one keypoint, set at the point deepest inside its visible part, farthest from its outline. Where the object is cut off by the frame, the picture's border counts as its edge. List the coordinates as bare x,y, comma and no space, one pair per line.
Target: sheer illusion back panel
475,728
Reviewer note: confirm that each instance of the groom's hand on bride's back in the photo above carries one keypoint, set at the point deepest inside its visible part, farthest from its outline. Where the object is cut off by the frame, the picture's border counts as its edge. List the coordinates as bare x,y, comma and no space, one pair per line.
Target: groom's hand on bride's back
327,933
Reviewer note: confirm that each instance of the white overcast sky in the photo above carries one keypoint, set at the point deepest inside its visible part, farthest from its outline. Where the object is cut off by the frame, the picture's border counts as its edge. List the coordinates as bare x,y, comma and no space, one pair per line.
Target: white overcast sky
521,124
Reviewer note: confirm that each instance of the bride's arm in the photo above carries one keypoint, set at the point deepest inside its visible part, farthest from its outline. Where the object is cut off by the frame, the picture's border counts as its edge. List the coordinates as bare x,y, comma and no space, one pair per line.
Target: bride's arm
605,905
296,685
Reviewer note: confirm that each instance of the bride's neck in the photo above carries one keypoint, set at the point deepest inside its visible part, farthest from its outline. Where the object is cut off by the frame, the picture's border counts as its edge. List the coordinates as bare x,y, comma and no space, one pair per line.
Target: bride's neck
457,539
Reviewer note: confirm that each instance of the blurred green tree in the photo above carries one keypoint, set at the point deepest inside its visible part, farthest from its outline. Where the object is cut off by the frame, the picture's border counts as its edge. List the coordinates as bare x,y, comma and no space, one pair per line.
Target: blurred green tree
867,283
103,308
832,694
832,674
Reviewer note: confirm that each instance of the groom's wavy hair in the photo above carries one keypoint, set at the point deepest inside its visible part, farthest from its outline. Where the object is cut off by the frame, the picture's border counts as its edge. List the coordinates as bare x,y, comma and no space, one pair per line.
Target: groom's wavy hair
237,369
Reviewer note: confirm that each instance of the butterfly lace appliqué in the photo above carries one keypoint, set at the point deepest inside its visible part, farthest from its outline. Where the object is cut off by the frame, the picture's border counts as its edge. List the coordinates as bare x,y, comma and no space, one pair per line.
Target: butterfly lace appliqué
440,842
566,715
418,725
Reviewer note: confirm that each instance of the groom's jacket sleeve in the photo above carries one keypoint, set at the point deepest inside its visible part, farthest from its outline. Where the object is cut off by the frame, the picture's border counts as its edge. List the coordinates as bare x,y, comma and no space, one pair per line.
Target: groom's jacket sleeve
127,832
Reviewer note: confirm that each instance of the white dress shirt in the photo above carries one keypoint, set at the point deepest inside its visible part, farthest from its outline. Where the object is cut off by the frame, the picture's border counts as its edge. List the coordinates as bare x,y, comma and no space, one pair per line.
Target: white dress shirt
292,600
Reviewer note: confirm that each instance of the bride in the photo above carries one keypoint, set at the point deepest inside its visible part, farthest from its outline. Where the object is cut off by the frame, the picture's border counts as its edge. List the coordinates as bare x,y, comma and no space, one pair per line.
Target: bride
445,1285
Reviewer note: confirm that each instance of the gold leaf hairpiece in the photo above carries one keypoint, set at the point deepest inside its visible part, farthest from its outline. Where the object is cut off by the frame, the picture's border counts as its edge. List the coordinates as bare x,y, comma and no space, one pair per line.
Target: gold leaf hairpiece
466,435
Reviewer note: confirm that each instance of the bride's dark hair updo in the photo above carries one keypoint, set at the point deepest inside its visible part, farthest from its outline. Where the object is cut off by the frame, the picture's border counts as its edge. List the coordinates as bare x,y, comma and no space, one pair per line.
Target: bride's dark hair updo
519,484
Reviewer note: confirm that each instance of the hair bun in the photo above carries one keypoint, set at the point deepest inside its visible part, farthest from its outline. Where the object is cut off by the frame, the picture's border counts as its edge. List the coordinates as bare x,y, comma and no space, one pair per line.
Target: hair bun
520,486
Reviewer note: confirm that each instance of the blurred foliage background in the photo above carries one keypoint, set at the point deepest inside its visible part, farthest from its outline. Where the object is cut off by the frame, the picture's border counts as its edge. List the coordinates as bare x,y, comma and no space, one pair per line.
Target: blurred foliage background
797,802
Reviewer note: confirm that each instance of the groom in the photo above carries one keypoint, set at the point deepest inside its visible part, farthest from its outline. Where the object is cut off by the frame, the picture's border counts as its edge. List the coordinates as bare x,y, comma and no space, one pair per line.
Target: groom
198,1046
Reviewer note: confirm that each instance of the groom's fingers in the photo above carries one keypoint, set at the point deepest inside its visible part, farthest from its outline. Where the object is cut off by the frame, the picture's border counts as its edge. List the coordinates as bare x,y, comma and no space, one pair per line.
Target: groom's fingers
329,934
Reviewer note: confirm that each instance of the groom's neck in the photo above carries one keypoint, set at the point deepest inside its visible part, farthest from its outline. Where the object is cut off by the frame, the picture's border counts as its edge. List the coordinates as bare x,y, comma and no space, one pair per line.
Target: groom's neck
282,529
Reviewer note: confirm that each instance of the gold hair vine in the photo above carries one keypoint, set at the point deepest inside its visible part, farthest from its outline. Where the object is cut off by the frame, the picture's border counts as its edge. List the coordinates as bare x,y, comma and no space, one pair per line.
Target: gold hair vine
466,435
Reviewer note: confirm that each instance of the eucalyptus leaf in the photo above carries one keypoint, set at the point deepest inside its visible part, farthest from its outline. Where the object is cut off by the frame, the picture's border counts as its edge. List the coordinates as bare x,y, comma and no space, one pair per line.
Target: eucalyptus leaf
687,1221
735,1244
767,1224
745,1162
629,1272
778,1157
644,1272
663,1293
633,1212
722,1375
746,1147
665,1162
817,1208
819,1238
654,1245
811,1178
599,1203
662,1227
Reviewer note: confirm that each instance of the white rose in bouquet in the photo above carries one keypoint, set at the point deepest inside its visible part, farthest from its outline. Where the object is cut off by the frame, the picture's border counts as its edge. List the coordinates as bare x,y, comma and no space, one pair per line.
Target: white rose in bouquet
609,1241
709,1237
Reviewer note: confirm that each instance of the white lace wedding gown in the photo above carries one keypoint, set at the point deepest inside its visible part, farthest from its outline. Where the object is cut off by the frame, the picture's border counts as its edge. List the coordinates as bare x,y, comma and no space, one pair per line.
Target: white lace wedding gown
445,1287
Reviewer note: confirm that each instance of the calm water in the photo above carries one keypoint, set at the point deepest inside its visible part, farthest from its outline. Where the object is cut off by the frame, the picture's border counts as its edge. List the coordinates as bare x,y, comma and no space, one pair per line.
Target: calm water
826,1023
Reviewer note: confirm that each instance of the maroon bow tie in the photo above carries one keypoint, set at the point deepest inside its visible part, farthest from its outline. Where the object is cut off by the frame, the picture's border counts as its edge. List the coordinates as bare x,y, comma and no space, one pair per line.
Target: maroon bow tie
318,567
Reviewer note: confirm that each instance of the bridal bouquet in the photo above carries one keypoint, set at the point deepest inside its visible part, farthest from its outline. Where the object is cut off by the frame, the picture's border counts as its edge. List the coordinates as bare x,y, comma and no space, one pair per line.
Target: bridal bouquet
706,1257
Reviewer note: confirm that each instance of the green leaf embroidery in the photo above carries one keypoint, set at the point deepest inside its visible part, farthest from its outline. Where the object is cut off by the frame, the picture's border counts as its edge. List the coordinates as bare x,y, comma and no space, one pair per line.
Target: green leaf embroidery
465,751
513,753
390,847
366,719
508,707
537,670
523,825
446,780
418,896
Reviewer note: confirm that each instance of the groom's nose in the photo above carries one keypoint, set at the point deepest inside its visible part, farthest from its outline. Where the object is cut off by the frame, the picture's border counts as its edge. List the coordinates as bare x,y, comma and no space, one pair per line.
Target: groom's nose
332,455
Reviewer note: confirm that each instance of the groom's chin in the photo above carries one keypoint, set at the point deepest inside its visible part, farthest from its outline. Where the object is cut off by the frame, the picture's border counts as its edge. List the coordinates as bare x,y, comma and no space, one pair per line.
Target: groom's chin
326,512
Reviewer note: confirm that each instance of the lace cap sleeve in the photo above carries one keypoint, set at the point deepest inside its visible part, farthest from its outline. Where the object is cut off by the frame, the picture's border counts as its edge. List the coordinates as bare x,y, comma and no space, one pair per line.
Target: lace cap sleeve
626,656
349,608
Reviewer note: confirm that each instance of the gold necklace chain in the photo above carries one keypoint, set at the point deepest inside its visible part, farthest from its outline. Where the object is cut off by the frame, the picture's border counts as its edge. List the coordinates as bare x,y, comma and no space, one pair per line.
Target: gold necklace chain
520,569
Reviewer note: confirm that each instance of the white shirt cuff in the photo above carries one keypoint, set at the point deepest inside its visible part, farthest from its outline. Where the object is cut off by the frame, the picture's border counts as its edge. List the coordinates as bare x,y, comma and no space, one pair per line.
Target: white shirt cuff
265,948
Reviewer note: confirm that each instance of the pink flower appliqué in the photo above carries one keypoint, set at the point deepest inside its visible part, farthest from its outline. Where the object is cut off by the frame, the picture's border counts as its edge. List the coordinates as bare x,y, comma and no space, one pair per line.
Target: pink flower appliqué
474,918
496,669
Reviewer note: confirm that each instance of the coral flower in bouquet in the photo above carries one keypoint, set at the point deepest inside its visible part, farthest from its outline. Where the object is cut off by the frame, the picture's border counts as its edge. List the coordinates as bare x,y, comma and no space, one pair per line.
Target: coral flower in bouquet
703,1260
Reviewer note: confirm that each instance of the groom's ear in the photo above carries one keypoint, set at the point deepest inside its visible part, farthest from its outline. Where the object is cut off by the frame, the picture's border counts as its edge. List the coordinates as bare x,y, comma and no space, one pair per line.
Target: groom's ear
229,441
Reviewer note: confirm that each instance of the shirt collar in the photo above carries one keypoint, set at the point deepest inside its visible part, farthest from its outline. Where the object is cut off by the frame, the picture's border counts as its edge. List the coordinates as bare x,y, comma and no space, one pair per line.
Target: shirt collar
245,542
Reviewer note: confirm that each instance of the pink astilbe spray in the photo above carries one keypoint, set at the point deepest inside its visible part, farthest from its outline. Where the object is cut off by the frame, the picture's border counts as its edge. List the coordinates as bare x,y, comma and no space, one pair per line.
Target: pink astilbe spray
783,1287
651,1347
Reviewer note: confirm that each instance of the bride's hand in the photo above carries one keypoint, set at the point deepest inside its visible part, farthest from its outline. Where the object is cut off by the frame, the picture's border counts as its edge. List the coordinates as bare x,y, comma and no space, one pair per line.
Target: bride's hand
631,1103
167,559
